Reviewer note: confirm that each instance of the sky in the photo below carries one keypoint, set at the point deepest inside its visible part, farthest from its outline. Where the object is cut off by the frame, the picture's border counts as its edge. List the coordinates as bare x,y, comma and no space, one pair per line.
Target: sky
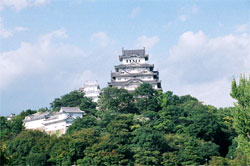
51,47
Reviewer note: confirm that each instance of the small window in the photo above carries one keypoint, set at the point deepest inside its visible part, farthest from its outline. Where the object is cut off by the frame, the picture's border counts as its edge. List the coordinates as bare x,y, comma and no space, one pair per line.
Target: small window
127,61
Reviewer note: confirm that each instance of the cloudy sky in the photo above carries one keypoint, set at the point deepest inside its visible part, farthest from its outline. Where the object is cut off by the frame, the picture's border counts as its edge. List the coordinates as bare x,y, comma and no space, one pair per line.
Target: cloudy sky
50,47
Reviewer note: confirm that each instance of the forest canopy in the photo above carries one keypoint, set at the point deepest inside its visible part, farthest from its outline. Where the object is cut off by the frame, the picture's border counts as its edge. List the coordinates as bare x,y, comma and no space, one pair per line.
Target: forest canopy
145,127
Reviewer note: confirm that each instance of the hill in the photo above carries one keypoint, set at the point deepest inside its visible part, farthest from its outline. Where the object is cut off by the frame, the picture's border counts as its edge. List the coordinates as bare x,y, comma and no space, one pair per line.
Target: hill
145,127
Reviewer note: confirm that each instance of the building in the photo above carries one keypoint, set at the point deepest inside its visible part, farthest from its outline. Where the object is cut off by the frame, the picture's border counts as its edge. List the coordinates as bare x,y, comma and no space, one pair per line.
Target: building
53,122
134,71
35,121
91,89
11,116
59,123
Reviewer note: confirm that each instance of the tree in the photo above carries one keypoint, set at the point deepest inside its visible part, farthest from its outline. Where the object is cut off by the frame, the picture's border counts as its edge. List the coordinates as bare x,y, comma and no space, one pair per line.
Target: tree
105,153
4,159
73,99
170,159
170,119
117,100
219,161
168,98
80,140
43,109
38,159
87,121
149,139
120,129
146,98
241,93
5,128
195,152
60,151
20,149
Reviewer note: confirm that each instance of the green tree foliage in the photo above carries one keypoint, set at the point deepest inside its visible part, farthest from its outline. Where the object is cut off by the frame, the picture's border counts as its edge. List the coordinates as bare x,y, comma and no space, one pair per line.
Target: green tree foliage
146,127
146,98
88,121
60,151
120,129
4,159
194,151
25,145
10,128
117,100
106,152
219,161
38,159
5,128
170,159
241,92
149,139
73,99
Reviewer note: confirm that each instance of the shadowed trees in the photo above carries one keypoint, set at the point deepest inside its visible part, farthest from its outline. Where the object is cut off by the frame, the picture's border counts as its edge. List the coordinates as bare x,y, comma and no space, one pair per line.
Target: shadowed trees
144,127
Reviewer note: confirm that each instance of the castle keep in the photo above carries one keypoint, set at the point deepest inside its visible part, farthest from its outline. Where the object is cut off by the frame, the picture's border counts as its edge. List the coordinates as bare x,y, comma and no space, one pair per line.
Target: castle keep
134,71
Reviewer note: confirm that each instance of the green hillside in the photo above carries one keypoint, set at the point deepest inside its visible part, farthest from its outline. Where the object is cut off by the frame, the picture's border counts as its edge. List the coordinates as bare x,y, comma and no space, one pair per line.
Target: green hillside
146,127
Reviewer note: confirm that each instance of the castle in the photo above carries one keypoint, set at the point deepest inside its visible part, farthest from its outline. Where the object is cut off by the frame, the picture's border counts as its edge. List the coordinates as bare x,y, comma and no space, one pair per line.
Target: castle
129,75
134,71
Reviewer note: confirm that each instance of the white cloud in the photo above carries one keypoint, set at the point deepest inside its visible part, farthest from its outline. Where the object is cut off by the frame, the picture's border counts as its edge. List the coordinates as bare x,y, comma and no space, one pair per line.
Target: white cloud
21,4
20,29
101,38
43,56
135,12
4,33
148,42
183,17
78,79
242,28
216,93
204,67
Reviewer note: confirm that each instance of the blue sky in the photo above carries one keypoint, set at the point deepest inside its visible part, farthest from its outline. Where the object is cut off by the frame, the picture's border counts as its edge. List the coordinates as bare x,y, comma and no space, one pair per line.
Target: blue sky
50,47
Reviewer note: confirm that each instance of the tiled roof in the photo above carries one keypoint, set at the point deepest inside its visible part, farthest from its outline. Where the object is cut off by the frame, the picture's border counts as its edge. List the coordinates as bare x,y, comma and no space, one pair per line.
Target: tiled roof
122,83
134,65
71,110
36,116
139,52
133,53
91,83
118,74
